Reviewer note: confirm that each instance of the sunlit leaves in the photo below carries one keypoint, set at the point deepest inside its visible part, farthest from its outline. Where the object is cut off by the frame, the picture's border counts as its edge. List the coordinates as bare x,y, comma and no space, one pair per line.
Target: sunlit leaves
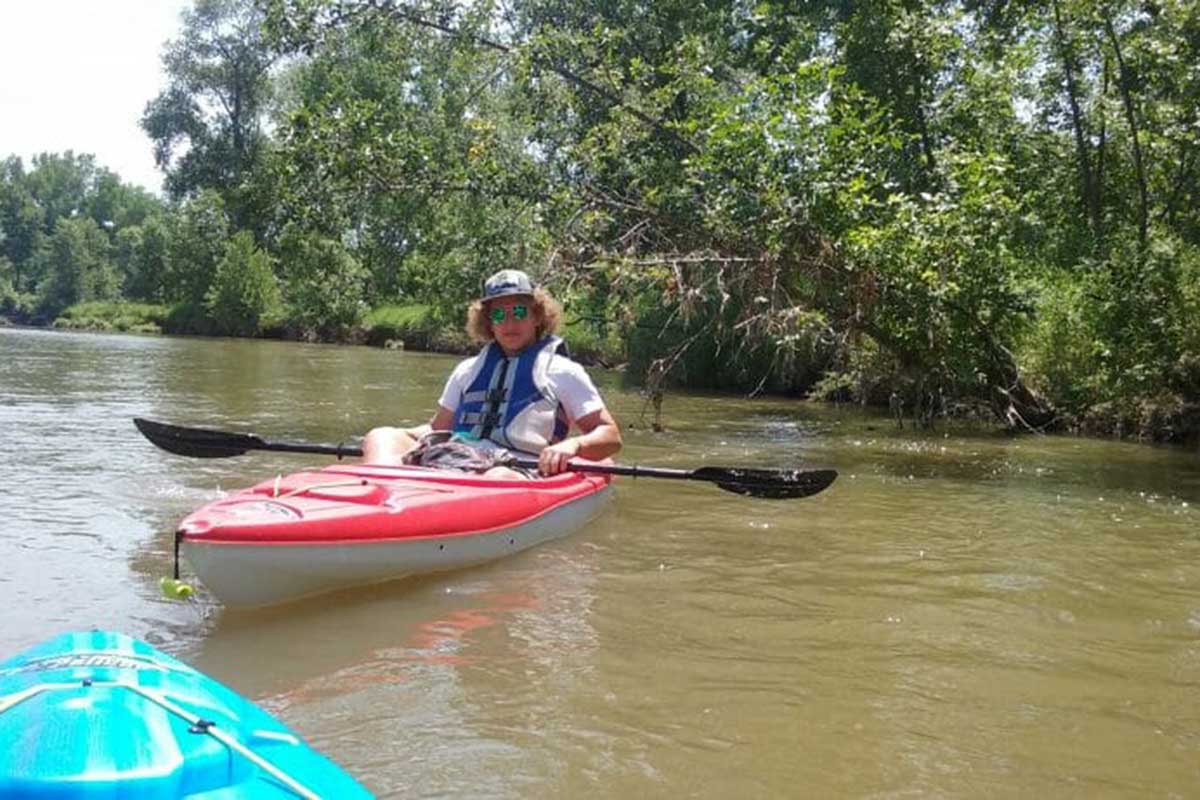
207,124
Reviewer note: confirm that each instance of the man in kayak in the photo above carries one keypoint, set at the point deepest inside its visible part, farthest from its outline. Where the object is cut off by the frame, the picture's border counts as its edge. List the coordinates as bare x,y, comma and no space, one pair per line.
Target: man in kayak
520,395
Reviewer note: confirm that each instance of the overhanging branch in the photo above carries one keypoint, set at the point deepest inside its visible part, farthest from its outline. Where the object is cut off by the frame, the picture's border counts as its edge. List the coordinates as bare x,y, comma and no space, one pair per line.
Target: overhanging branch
559,69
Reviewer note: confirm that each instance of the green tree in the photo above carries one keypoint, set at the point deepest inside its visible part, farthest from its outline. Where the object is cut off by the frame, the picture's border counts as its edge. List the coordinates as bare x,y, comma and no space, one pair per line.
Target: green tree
408,142
8,295
207,125
244,296
862,197
195,245
60,185
76,266
115,205
142,258
323,284
21,221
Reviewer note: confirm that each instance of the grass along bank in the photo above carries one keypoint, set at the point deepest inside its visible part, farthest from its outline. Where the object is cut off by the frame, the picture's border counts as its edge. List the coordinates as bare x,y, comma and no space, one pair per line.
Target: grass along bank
99,315
1166,417
411,326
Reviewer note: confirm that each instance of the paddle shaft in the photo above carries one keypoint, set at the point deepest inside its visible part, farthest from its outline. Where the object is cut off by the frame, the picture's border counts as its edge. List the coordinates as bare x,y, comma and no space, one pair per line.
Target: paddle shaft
339,450
756,482
613,469
346,451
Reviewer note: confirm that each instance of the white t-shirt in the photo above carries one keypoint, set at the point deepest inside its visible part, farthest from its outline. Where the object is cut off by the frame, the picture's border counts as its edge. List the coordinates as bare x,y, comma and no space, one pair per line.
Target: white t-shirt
570,382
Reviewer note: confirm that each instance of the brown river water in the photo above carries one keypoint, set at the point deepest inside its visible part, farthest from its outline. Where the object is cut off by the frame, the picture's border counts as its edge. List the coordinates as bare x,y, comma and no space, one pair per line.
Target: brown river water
962,614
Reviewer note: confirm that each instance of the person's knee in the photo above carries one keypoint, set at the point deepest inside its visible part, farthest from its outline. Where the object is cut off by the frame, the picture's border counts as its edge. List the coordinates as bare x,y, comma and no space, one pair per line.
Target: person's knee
385,445
377,437
504,473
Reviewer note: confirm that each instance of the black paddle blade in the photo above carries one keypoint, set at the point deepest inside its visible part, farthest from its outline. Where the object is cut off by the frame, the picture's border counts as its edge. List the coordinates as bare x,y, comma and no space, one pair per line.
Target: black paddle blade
195,442
775,484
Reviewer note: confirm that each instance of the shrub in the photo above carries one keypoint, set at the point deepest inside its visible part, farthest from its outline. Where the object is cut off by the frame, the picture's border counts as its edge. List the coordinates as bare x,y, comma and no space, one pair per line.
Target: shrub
413,324
323,284
244,296
1061,355
114,315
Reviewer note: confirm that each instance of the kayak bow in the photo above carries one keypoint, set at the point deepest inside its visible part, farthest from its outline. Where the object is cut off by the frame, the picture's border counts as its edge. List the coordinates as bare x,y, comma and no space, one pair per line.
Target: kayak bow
100,714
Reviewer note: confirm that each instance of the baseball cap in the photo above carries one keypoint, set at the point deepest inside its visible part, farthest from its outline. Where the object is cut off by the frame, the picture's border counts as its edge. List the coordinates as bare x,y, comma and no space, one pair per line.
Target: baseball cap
506,282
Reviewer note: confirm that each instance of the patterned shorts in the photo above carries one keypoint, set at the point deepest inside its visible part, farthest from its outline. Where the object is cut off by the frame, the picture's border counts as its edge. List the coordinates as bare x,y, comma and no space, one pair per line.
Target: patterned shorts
438,449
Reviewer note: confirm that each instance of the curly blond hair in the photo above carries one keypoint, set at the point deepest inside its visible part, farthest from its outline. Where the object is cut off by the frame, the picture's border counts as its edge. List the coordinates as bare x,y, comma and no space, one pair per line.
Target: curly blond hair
545,307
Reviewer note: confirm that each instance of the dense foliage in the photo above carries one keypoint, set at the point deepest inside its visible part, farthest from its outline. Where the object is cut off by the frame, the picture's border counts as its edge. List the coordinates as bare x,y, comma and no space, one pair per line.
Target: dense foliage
944,205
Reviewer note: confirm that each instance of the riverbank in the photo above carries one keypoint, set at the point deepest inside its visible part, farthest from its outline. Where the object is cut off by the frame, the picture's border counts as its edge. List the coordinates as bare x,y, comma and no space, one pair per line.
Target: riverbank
1167,418
393,327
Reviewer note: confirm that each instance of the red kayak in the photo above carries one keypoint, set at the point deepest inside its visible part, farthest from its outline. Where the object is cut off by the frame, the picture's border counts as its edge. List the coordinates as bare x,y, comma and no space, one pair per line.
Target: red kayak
347,525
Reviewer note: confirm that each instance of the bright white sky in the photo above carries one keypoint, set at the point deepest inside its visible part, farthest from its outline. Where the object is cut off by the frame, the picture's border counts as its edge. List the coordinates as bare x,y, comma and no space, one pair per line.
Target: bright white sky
77,74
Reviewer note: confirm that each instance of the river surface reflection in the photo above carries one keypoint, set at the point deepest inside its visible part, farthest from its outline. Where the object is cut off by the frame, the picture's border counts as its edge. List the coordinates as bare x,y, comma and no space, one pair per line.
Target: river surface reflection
961,614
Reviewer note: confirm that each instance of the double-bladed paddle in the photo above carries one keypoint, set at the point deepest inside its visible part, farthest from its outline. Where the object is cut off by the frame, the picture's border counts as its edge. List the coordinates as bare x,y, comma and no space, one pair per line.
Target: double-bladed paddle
755,482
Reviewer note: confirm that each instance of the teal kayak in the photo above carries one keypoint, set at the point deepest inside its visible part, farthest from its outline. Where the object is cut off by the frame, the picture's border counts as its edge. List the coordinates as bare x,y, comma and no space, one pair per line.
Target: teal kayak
101,715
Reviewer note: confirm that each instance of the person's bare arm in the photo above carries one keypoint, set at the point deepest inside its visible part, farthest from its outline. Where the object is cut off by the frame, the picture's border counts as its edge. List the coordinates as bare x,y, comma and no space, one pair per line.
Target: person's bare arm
443,420
599,437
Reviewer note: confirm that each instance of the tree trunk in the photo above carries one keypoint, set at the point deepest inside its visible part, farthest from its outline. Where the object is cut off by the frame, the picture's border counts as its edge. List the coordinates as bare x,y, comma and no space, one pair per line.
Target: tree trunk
1101,152
923,126
1014,403
1131,117
1088,188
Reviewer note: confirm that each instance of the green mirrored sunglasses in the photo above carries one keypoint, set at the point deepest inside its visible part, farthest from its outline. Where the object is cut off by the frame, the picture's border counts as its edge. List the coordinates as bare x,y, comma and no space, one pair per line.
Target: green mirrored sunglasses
518,313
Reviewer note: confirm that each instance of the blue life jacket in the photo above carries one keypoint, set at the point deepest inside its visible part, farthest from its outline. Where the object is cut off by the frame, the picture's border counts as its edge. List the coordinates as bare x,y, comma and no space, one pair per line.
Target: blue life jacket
510,401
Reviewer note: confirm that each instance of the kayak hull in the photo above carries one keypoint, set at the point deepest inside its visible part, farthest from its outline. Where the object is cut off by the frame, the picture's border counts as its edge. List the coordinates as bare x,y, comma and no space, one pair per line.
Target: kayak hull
323,530
102,715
